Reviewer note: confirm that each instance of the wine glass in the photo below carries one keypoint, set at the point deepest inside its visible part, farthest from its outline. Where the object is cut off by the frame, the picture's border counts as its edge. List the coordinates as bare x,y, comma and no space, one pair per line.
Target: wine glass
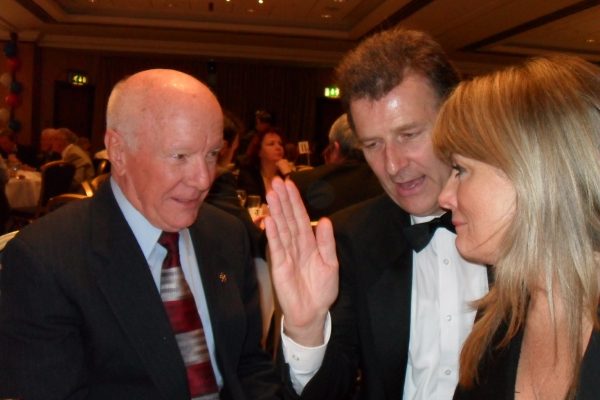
241,194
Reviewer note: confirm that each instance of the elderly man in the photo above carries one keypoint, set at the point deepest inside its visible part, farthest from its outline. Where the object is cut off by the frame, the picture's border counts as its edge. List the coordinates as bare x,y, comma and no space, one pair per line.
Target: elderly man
403,309
46,154
345,179
64,142
143,291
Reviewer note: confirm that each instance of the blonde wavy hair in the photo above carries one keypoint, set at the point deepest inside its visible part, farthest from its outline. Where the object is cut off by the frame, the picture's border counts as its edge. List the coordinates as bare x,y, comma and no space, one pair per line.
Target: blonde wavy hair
539,122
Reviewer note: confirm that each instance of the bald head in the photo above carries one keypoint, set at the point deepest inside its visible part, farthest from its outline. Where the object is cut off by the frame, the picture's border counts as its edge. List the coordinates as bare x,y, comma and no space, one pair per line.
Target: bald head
164,132
154,97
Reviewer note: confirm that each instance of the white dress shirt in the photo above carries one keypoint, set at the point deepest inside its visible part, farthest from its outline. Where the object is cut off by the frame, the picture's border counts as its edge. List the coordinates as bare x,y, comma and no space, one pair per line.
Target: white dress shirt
443,285
147,237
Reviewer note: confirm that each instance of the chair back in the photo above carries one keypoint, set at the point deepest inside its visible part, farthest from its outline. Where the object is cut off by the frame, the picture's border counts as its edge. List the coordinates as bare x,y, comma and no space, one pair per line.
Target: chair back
62,199
57,178
102,166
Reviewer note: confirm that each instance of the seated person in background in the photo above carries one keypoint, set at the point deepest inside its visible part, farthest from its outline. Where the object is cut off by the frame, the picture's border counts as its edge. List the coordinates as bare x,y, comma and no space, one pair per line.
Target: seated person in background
345,179
525,197
64,143
46,154
142,291
223,192
263,122
16,153
84,144
264,162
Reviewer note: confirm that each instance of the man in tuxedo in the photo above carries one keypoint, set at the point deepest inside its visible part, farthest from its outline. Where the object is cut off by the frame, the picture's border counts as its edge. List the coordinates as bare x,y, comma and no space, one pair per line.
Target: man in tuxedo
143,291
403,308
343,180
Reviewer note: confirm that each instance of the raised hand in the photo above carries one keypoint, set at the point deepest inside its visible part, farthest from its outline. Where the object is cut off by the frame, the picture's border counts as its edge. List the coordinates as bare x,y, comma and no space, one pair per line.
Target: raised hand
304,266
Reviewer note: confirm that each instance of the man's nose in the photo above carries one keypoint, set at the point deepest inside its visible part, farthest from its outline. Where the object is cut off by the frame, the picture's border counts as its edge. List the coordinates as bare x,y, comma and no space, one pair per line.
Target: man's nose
395,158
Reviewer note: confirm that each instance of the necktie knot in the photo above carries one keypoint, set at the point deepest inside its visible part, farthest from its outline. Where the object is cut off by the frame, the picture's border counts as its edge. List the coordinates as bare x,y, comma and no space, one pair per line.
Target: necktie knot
170,241
419,235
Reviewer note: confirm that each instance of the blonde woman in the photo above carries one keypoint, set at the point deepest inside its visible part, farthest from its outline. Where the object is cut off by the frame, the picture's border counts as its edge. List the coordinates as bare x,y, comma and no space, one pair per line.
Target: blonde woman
525,198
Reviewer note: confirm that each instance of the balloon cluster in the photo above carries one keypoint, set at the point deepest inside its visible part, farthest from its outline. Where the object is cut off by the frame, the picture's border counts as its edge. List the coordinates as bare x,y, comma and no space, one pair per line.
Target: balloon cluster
9,79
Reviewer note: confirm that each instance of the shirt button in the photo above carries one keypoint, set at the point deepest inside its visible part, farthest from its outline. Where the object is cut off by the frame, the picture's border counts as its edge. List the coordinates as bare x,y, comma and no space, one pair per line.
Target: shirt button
448,317
447,372
446,261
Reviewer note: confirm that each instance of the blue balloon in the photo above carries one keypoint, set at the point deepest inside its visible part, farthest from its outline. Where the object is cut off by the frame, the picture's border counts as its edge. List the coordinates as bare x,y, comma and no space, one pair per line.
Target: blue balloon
10,49
14,125
16,87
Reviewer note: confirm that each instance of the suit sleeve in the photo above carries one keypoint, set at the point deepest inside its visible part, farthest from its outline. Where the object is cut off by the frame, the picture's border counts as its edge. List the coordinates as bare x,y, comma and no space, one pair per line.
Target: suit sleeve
41,351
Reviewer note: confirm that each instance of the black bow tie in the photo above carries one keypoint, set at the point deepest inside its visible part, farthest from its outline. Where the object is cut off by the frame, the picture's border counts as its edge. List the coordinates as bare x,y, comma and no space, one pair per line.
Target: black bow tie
419,235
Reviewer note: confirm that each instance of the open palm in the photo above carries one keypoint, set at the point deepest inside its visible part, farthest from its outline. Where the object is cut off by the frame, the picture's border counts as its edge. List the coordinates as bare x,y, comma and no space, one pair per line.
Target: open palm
304,266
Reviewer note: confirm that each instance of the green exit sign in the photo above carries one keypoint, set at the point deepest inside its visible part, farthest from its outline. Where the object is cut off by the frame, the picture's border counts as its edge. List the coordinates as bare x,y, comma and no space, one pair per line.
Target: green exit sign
332,91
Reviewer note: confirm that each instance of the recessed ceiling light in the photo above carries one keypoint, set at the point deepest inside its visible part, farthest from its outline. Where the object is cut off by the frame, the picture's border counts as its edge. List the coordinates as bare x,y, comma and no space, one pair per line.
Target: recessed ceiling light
260,1
338,1
326,16
591,40
250,10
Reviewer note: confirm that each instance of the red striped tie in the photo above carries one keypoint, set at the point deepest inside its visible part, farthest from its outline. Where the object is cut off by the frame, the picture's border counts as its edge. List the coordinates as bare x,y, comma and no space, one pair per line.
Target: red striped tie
185,321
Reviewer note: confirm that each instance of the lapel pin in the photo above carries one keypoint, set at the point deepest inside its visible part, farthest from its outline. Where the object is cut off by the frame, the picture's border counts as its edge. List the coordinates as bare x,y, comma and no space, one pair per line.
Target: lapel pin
223,277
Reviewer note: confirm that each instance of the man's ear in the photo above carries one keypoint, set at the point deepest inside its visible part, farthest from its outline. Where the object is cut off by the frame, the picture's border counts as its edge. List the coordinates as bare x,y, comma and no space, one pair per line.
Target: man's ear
116,147
335,152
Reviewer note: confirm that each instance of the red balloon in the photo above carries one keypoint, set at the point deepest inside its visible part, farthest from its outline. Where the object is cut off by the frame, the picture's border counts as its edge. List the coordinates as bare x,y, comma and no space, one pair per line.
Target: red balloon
13,64
13,100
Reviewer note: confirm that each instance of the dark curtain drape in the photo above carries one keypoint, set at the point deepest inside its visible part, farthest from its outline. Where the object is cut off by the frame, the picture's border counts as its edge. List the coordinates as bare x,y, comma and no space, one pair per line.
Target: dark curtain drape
289,92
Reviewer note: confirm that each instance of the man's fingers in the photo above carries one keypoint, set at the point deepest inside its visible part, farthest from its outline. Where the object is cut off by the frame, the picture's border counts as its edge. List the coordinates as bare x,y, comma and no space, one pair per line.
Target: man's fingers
326,242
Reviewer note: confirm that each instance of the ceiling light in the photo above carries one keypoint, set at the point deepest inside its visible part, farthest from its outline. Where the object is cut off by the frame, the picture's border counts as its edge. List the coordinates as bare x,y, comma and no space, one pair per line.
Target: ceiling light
591,40
250,10
261,1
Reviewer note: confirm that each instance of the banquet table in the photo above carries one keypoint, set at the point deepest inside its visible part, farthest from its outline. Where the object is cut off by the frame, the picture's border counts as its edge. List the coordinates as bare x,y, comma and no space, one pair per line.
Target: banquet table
23,190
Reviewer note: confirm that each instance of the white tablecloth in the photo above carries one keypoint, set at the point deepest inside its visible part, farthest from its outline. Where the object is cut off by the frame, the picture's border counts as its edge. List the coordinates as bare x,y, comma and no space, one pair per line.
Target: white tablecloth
24,189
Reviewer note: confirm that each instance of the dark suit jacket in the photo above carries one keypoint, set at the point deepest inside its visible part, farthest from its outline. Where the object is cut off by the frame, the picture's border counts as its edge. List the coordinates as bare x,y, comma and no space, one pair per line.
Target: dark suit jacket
251,181
81,317
332,187
498,371
371,317
223,195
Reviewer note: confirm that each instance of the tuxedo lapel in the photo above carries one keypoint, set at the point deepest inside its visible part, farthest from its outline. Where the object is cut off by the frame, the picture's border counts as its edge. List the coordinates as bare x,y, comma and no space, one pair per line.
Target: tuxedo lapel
124,278
389,298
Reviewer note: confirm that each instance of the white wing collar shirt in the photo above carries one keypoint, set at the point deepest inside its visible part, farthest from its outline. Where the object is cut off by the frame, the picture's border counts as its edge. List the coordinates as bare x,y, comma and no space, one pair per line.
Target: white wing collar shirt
147,237
443,286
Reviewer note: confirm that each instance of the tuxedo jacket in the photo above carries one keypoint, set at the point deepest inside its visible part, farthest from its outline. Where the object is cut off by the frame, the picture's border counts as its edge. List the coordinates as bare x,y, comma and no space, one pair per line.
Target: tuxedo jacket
331,187
223,195
81,317
251,181
498,371
371,317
